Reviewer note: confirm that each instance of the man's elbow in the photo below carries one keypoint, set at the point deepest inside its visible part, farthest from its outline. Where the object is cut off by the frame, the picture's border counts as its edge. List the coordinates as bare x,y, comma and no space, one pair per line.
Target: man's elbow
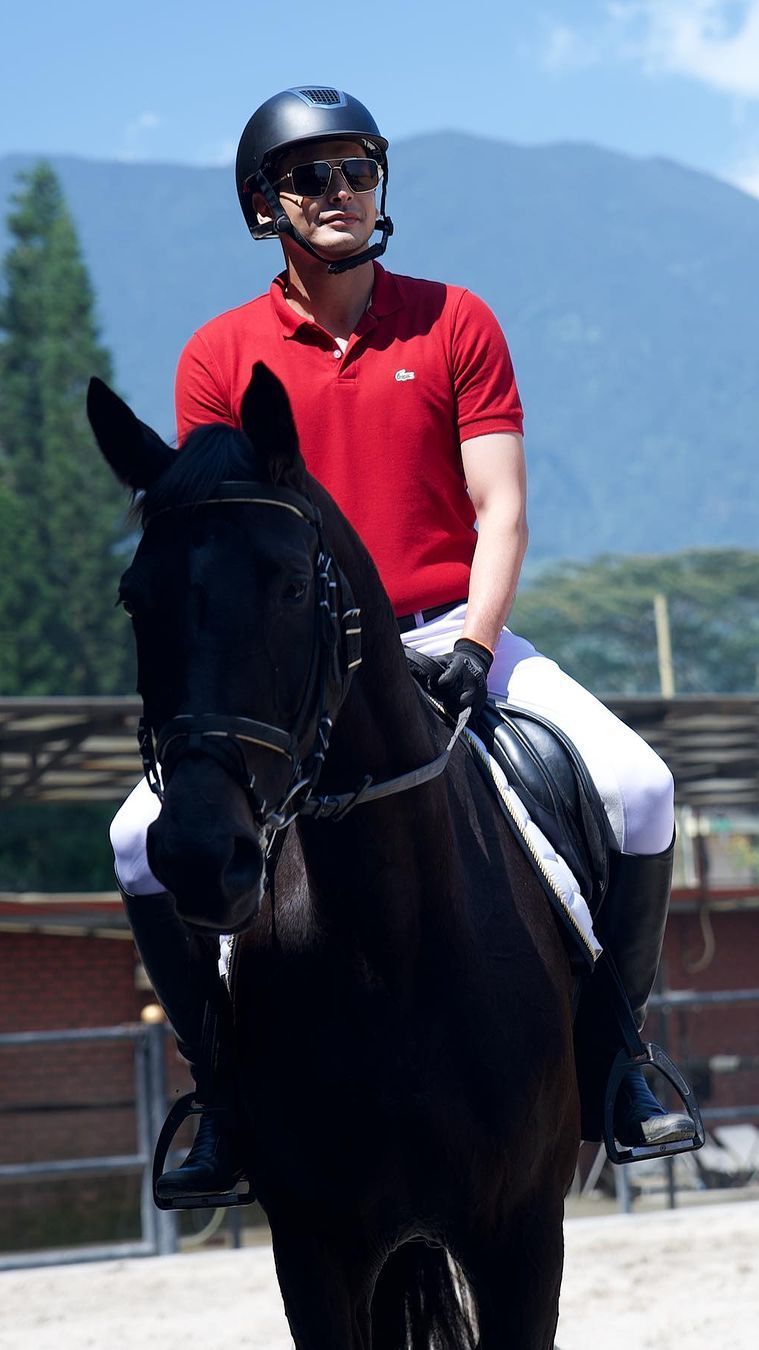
523,535
513,521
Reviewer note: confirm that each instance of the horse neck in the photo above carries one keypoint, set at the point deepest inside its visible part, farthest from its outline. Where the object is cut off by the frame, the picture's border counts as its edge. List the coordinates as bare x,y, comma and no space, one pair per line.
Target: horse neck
382,728
379,870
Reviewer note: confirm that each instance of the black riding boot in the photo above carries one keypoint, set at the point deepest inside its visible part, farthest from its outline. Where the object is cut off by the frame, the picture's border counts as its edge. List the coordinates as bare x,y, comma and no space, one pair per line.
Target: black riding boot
631,926
181,966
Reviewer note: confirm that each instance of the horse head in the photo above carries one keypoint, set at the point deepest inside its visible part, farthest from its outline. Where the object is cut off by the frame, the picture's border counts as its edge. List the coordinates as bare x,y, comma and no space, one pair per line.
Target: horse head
237,609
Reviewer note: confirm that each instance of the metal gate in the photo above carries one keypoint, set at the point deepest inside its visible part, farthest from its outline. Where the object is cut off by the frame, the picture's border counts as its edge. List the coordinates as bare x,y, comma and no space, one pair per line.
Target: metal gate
158,1228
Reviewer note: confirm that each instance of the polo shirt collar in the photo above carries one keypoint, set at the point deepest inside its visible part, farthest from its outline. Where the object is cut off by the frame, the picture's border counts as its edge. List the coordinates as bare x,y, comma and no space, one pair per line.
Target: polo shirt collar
386,296
386,299
289,321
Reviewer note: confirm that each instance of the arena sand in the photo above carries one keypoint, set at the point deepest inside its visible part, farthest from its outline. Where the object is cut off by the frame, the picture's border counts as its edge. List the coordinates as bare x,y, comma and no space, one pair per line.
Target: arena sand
650,1282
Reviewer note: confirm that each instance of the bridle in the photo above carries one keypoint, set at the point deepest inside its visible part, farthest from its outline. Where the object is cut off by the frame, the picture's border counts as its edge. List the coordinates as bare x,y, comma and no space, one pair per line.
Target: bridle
336,654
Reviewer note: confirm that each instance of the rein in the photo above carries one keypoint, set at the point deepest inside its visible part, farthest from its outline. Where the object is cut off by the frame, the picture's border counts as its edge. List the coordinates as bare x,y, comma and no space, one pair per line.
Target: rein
231,740
335,806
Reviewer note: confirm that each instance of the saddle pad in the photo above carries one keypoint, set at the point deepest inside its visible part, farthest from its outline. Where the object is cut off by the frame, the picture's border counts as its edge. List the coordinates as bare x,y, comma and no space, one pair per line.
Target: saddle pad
558,880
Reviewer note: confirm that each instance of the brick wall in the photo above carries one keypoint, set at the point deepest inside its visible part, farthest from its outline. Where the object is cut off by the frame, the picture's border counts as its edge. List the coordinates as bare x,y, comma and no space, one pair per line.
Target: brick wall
725,959
70,1100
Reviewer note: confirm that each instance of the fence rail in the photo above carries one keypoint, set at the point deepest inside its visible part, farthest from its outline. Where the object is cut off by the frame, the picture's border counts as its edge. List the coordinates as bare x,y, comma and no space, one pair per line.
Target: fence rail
670,999
158,1227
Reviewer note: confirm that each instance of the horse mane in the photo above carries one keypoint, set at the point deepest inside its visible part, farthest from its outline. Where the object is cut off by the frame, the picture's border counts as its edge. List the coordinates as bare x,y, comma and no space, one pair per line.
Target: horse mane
209,456
218,453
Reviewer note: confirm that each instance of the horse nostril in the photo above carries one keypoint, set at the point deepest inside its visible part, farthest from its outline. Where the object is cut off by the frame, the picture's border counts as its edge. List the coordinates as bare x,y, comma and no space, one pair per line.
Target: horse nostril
243,871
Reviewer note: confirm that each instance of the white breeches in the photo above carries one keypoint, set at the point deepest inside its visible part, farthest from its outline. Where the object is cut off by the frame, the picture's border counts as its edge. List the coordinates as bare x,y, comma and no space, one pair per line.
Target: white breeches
635,785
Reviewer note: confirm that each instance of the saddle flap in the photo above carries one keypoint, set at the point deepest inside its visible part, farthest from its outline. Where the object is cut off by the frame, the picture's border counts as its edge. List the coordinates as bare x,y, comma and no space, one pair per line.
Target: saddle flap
550,778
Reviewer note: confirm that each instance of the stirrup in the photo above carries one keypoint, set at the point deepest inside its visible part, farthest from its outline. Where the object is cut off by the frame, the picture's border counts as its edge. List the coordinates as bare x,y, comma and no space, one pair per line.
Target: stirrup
658,1059
183,1108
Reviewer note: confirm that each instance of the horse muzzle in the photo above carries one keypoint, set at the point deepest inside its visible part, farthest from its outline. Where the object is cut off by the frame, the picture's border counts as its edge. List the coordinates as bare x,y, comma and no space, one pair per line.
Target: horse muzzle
207,850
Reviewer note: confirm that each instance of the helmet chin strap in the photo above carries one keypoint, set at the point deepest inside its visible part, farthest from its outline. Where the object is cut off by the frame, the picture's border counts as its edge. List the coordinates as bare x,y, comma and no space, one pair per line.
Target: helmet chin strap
282,224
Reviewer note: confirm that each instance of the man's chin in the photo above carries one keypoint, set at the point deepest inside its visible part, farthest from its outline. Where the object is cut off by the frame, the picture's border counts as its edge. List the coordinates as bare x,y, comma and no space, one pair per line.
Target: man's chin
338,243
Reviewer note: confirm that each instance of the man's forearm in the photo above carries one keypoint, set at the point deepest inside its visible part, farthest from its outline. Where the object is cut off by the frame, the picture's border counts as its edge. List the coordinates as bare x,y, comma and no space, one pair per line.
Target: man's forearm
497,563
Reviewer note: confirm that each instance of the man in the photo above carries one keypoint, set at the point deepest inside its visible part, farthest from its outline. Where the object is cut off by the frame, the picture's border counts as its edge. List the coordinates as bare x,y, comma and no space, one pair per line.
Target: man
407,411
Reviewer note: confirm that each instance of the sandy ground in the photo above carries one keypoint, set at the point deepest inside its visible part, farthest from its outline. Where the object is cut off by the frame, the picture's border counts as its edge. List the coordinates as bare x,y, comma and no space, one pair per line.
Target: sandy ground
688,1278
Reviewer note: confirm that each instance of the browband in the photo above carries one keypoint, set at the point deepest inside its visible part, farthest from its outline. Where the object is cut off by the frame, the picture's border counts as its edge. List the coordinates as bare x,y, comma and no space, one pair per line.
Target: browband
256,494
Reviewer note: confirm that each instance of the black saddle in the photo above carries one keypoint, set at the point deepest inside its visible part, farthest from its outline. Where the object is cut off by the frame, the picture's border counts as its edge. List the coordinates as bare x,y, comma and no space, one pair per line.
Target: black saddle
550,778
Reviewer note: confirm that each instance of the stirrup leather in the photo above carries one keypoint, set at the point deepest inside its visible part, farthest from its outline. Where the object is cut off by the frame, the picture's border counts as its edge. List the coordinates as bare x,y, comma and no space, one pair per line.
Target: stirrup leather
183,1108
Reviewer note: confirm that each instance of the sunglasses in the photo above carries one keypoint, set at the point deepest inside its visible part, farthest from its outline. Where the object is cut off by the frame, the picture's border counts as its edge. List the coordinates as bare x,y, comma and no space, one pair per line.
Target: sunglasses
313,180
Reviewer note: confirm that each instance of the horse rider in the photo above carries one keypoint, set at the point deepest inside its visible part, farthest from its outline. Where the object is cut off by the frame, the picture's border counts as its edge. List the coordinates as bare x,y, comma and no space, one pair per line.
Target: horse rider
407,410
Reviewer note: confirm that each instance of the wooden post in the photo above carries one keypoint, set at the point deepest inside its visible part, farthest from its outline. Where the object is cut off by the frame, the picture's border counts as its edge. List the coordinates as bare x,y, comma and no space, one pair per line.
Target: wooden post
664,646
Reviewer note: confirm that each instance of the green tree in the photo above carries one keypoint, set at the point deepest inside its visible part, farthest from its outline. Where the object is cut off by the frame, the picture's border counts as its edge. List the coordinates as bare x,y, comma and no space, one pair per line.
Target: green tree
61,514
597,620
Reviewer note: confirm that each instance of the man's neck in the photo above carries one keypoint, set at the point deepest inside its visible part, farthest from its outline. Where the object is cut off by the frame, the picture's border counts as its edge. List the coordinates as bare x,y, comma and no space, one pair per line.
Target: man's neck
336,303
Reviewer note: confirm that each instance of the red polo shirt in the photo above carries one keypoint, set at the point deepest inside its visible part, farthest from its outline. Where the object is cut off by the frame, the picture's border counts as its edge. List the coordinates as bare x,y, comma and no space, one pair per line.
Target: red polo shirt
380,426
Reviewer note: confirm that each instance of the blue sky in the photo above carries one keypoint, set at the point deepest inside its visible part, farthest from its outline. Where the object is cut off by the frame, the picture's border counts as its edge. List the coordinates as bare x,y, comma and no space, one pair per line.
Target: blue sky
177,79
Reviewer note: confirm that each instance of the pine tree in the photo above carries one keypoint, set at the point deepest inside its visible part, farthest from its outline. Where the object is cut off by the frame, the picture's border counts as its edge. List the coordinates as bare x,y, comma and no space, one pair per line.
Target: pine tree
61,514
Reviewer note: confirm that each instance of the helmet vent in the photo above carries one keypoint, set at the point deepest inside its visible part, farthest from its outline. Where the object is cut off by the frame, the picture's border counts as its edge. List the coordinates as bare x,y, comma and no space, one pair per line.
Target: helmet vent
322,98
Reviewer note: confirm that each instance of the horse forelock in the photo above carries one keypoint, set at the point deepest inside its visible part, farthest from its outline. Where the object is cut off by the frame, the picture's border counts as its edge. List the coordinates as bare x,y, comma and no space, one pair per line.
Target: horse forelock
210,455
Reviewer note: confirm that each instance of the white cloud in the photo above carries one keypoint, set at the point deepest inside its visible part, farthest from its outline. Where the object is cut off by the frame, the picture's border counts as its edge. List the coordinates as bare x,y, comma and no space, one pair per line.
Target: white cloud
134,134
217,154
146,122
565,48
745,174
713,41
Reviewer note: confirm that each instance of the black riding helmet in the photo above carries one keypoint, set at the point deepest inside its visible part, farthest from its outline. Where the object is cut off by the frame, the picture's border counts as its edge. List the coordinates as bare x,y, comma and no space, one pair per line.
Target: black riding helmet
308,113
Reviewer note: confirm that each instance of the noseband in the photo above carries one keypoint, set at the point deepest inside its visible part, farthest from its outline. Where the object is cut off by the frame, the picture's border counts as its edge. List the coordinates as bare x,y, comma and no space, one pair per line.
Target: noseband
335,655
232,741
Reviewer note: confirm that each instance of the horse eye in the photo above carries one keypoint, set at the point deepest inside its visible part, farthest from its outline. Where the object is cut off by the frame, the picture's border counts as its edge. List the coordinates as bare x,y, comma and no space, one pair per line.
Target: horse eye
295,590
126,605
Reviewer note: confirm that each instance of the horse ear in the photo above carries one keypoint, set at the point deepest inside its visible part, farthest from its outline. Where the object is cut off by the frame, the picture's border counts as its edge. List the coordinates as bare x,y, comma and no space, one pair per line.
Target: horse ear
268,422
136,454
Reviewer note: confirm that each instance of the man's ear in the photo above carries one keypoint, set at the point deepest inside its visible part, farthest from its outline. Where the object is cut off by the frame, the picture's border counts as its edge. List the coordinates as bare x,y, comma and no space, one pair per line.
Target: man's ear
135,452
262,209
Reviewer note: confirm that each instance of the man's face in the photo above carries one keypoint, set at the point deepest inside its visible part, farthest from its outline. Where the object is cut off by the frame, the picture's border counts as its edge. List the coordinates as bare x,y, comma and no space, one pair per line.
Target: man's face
339,223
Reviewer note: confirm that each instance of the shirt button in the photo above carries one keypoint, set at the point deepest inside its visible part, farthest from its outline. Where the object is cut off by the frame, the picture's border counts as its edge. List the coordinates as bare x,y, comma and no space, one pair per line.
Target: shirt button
337,353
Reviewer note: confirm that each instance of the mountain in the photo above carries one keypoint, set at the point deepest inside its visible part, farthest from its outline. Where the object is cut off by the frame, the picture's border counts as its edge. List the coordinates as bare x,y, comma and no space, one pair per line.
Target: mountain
628,289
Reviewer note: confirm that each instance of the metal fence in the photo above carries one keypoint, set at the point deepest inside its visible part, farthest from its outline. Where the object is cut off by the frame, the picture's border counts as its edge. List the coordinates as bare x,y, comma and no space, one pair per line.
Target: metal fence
672,1001
158,1228
667,1004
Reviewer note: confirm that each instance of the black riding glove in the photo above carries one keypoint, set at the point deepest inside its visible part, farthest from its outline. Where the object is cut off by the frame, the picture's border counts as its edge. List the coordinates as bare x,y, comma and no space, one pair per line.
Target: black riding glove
464,683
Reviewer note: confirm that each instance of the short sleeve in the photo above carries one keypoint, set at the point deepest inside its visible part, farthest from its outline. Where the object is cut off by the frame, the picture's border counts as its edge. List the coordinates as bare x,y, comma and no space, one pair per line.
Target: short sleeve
199,393
485,387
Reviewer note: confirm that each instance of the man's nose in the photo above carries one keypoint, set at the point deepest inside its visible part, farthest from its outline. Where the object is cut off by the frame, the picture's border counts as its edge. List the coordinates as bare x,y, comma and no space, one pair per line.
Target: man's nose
338,184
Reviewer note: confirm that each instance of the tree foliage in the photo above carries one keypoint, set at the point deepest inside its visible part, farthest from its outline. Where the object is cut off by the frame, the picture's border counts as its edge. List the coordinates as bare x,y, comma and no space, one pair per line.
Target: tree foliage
49,846
61,514
597,620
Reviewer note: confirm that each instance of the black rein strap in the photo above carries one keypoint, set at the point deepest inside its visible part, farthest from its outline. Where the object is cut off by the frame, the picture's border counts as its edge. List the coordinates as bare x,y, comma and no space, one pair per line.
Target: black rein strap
335,806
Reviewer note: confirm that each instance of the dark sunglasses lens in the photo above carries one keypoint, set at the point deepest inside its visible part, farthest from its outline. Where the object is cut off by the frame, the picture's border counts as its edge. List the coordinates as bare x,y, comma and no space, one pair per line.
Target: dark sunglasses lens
361,175
311,180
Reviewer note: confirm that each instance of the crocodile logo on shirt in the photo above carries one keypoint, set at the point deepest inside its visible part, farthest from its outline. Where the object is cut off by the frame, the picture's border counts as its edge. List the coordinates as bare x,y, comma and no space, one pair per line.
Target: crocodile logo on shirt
402,374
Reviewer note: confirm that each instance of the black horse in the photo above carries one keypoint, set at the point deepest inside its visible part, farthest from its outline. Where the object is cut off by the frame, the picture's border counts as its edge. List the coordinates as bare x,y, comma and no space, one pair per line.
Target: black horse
401,996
